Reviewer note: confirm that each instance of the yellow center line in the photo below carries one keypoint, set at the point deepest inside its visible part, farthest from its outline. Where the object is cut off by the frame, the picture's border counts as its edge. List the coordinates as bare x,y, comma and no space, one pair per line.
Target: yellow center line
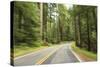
47,56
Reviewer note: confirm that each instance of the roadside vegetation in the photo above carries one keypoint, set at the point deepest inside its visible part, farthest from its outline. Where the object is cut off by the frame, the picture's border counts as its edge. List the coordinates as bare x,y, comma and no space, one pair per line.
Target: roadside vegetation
22,50
84,54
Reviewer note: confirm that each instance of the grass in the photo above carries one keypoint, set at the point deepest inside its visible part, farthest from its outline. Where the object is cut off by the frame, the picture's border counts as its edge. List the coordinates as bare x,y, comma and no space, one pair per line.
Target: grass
88,54
22,50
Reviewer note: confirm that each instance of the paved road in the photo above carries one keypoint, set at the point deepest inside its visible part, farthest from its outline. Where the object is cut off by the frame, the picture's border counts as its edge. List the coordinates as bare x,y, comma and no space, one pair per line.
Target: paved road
50,55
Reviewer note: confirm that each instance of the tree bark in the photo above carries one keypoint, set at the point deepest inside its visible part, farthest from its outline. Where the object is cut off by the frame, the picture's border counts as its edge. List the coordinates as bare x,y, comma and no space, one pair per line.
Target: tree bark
75,31
79,27
45,22
88,32
41,20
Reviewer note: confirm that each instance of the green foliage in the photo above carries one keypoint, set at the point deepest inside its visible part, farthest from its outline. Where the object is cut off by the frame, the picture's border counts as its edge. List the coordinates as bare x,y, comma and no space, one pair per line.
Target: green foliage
26,23
85,19
89,54
24,49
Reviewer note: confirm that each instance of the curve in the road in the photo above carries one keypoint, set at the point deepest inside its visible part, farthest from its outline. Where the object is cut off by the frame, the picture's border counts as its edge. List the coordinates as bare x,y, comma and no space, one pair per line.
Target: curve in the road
47,56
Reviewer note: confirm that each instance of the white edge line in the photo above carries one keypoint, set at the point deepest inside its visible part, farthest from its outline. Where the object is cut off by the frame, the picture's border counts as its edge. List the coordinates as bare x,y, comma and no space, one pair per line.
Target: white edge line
75,54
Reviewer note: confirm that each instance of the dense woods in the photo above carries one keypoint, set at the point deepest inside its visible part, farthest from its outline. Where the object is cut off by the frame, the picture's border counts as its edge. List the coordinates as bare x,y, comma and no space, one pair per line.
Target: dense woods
45,24
85,20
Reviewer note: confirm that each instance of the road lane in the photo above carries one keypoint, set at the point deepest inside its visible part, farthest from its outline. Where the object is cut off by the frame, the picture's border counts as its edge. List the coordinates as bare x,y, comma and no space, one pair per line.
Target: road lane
63,55
32,59
50,55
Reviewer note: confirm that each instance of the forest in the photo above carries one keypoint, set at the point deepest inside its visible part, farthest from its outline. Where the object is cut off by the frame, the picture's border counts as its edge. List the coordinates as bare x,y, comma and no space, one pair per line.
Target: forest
46,24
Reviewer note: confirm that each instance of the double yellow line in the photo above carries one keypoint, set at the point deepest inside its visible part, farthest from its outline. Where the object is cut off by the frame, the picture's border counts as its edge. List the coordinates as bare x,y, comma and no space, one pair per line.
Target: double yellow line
47,56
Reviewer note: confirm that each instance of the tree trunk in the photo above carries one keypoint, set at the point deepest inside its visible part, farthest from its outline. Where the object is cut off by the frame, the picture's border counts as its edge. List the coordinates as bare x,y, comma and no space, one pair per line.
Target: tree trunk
45,22
94,12
95,18
79,27
58,24
88,32
41,20
75,30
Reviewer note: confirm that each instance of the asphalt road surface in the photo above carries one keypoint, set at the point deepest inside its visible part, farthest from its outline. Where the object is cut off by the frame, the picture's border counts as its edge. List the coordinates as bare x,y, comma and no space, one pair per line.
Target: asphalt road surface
51,55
